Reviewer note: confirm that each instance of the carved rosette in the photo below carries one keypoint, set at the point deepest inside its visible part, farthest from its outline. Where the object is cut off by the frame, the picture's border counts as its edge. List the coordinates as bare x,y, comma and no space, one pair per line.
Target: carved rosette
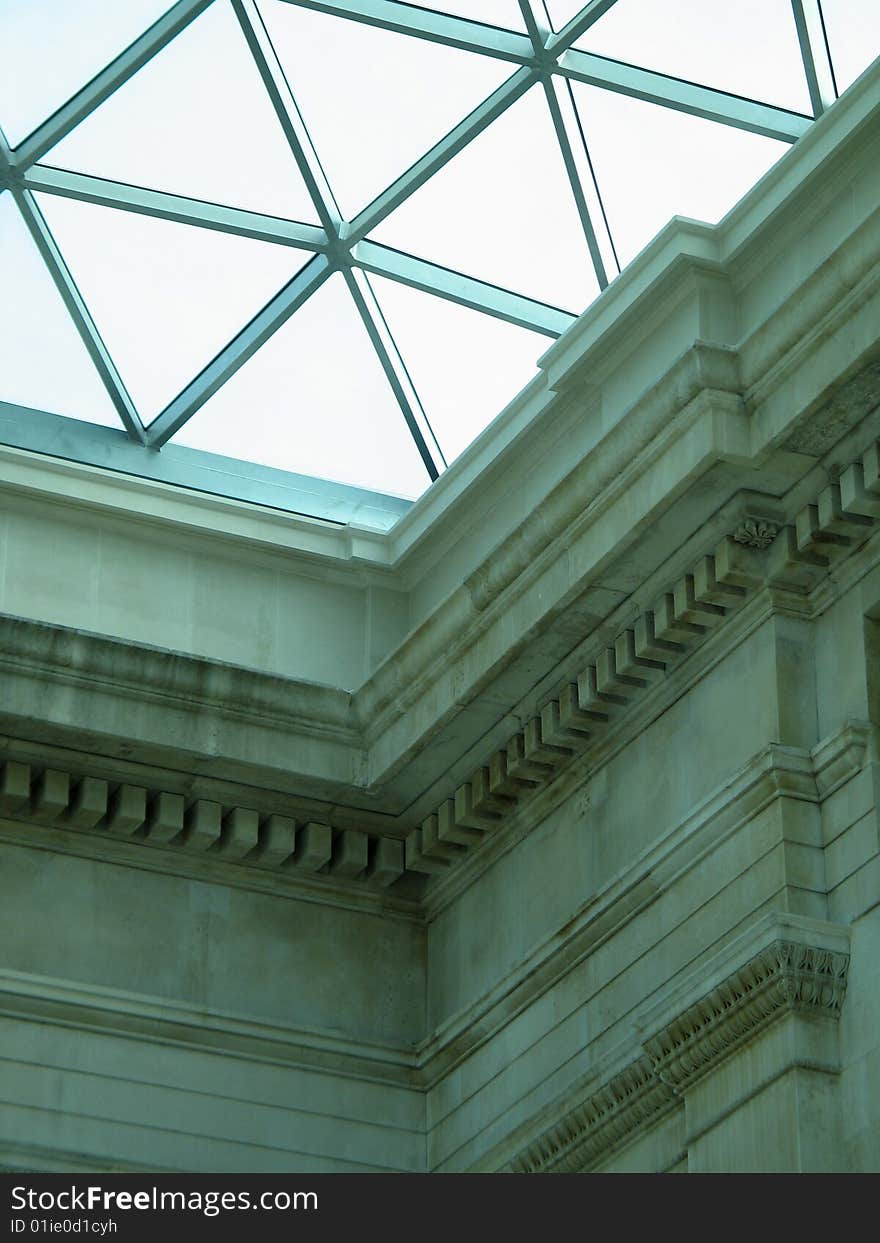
756,533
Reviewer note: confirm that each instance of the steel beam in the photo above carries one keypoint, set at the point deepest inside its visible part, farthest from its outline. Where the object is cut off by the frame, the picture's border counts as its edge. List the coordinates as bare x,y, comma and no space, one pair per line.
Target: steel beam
79,312
425,23
103,85
582,179
395,371
700,101
6,162
88,189
234,355
573,148
288,113
109,448
578,25
815,54
465,290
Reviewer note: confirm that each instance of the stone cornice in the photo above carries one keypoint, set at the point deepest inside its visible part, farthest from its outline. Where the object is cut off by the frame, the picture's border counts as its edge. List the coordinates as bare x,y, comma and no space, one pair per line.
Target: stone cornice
548,641
199,837
787,975
842,517
773,773
94,1008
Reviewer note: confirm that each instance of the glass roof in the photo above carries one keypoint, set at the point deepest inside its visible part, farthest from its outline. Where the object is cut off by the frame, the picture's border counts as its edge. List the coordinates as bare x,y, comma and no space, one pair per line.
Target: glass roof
332,238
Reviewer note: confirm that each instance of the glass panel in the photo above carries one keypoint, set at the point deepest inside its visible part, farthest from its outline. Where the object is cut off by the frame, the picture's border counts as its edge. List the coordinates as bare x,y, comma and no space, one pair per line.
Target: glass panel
314,400
482,365
52,48
503,211
748,48
493,12
374,101
853,29
561,12
165,296
43,362
653,163
196,120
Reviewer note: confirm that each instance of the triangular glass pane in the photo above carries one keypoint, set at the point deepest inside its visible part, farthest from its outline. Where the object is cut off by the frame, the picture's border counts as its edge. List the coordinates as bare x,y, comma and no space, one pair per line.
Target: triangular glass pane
166,297
503,211
195,120
43,362
314,400
749,48
52,48
654,163
853,29
483,364
562,11
374,101
504,13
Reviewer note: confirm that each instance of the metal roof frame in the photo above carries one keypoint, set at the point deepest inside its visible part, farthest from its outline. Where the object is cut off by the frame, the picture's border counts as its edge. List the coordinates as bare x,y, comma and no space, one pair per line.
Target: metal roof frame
538,56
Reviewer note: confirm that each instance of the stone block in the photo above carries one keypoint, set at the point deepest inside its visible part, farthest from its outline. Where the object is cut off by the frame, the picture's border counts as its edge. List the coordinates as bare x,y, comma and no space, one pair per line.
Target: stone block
631,665
813,537
88,803
165,818
416,861
15,787
648,646
469,814
126,810
386,861
521,765
202,825
791,566
709,588
609,680
577,716
275,841
241,829
450,830
504,783
690,608
431,845
739,564
670,627
540,749
837,520
350,853
313,847
484,798
51,794
855,497
596,703
556,734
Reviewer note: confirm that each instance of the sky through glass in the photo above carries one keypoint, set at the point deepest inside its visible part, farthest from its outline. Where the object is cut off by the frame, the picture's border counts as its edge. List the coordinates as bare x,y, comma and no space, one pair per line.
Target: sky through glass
334,237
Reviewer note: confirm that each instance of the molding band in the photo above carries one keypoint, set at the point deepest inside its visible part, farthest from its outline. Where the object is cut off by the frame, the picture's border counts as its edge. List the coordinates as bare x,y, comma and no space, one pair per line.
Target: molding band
785,977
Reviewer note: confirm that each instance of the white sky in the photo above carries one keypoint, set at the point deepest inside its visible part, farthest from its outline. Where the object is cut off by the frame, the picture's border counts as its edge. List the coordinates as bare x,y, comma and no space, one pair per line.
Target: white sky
196,120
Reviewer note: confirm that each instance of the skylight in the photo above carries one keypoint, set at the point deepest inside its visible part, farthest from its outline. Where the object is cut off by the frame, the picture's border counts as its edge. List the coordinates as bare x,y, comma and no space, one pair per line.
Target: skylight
333,238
